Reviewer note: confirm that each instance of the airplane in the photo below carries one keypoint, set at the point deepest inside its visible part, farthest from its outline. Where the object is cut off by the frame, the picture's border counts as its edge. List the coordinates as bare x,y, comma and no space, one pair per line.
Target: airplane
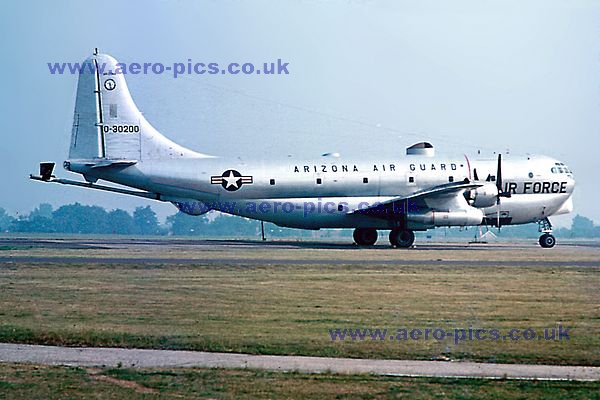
112,141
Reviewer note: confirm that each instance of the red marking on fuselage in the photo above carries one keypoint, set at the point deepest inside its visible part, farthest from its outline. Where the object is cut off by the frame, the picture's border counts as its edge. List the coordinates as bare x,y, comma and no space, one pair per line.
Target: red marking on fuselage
468,166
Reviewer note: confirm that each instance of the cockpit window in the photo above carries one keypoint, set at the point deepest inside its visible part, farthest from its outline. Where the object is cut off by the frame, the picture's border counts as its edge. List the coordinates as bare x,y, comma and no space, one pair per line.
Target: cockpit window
560,168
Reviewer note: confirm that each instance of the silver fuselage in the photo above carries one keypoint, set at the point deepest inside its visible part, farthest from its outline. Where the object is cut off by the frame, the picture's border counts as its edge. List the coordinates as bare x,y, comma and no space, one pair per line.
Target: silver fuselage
325,192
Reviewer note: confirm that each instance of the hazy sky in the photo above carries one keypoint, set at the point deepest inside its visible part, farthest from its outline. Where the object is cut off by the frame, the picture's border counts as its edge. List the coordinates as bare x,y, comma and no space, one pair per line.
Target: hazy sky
365,77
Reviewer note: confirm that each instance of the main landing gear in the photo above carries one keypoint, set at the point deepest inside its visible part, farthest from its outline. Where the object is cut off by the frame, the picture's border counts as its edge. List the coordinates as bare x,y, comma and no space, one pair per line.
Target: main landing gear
402,238
398,237
365,236
547,240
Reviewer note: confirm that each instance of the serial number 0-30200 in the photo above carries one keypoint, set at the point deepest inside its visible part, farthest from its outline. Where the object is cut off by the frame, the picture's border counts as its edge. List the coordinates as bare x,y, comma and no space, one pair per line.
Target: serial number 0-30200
121,128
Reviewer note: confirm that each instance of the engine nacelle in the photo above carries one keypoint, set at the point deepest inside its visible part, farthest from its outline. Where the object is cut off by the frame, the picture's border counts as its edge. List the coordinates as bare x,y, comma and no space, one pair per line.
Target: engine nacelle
484,196
191,207
468,217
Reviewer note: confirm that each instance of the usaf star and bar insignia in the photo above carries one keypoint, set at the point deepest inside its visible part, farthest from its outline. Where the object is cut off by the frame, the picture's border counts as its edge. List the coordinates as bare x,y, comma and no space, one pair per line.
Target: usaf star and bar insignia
231,180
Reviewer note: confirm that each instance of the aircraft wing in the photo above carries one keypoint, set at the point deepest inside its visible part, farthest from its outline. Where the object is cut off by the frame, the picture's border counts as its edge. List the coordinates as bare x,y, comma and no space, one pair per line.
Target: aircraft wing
437,197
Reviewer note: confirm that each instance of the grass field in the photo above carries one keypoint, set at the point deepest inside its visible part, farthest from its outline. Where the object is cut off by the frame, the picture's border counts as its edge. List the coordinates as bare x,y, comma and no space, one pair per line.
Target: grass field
19,381
269,307
265,306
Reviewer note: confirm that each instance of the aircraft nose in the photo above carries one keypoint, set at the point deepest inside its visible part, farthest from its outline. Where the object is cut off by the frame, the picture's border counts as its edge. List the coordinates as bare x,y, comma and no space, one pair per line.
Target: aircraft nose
569,177
571,182
568,172
561,172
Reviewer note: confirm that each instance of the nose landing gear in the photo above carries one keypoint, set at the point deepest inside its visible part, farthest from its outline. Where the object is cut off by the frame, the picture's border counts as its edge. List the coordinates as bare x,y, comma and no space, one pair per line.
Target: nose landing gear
547,240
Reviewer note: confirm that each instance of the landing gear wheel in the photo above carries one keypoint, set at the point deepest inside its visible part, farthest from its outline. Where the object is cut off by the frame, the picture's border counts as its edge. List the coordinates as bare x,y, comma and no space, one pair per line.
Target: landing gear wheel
365,236
547,240
402,238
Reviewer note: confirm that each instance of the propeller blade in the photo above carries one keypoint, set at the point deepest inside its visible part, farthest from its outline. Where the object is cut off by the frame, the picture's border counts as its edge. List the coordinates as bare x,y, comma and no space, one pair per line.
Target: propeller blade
475,174
499,174
500,191
498,216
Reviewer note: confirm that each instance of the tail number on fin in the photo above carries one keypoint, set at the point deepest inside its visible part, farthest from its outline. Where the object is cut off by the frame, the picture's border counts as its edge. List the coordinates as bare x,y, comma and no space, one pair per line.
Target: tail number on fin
121,128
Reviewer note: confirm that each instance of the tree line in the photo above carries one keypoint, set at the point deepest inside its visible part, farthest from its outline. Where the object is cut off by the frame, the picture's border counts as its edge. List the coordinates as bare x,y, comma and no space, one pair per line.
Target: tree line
83,219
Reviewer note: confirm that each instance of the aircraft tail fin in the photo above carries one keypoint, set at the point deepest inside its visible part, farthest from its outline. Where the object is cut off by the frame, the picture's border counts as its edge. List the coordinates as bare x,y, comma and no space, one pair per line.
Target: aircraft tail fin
108,125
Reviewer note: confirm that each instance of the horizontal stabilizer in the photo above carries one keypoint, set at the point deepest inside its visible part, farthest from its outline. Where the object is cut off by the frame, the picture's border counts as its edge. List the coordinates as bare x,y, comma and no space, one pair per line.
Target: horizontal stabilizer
113,163
89,185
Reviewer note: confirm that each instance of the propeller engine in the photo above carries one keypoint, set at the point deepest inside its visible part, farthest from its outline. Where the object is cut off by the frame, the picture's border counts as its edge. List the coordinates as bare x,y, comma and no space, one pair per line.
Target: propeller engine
483,196
489,193
501,192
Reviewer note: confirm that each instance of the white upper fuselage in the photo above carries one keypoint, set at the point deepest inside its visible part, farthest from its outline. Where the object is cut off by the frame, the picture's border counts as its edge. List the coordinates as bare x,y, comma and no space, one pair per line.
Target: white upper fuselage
326,190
